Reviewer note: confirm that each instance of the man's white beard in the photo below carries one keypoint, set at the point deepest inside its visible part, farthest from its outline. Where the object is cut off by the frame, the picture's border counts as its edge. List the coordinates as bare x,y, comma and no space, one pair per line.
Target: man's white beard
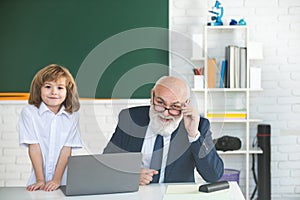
160,127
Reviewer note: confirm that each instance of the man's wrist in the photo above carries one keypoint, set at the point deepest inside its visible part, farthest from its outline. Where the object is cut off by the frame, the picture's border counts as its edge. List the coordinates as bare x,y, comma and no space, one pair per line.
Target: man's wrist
195,137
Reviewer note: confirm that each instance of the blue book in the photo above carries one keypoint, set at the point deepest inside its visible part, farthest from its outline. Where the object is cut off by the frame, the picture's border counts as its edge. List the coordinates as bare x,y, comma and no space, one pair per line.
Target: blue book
223,69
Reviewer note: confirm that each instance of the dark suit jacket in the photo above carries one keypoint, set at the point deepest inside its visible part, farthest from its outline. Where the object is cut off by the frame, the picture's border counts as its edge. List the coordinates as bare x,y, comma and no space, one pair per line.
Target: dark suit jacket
183,156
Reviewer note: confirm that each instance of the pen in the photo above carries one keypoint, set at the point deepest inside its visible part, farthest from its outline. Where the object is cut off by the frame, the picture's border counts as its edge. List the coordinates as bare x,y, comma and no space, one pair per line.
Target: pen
198,71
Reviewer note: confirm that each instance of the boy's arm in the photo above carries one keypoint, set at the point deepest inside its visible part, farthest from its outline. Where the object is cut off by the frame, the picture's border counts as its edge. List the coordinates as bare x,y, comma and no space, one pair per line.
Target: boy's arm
36,158
59,170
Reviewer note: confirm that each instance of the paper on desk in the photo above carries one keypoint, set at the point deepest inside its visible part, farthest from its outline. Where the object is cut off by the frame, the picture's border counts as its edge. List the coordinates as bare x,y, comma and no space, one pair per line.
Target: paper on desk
190,192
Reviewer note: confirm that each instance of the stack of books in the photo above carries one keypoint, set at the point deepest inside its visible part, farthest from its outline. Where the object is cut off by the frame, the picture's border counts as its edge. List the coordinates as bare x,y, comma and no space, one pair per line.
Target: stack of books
234,68
227,115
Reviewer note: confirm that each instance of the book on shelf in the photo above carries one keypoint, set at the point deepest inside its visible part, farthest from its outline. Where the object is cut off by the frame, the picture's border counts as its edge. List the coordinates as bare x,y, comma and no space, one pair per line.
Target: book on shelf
227,114
223,74
227,71
243,67
236,67
211,73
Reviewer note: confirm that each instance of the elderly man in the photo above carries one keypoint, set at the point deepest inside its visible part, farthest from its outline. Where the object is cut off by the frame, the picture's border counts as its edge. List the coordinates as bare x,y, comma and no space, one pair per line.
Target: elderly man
171,135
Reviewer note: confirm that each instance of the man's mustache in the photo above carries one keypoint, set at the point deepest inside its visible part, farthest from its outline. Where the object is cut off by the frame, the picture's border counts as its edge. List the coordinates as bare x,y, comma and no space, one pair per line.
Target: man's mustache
165,117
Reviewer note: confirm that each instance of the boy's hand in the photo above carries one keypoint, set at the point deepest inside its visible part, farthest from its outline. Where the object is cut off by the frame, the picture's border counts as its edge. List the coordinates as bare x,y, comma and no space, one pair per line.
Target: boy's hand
39,185
51,186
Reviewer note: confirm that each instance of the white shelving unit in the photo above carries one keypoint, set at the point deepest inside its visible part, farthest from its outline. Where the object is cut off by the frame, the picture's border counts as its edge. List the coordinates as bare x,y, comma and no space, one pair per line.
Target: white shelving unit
216,38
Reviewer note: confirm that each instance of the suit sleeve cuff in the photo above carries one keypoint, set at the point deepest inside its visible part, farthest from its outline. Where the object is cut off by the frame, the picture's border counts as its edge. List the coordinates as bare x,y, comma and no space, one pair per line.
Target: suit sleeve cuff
193,139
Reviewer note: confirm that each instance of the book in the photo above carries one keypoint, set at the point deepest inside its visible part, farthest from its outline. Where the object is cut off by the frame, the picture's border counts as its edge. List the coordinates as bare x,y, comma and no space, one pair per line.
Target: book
227,111
191,192
227,72
237,71
222,76
236,67
243,67
227,114
211,73
231,67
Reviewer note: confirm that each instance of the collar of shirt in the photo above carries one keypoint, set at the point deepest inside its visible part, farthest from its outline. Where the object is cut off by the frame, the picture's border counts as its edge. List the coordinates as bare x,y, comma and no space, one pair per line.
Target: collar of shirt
43,108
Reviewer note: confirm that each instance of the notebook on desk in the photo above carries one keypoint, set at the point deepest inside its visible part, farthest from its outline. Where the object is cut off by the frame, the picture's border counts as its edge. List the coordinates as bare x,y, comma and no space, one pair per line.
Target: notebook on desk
191,192
103,174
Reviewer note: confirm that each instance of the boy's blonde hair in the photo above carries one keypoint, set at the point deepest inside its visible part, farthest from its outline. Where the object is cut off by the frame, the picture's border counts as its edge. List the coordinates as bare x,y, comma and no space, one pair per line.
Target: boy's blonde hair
52,73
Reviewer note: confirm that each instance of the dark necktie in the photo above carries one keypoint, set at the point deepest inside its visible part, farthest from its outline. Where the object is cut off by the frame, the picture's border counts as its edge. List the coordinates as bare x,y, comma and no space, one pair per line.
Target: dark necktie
157,157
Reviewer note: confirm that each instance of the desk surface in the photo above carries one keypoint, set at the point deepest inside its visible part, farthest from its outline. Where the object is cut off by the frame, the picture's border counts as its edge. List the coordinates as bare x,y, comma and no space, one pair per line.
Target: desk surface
149,192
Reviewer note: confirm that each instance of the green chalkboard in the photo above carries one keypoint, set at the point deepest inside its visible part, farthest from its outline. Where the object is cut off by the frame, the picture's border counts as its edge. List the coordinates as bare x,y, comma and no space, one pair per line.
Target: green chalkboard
113,48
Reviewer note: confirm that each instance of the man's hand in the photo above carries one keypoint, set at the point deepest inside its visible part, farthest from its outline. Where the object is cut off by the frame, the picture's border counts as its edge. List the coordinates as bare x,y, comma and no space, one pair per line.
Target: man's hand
146,176
191,119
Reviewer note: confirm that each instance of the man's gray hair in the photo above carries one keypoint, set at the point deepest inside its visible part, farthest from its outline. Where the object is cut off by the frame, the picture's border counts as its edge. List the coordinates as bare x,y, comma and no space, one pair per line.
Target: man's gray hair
170,81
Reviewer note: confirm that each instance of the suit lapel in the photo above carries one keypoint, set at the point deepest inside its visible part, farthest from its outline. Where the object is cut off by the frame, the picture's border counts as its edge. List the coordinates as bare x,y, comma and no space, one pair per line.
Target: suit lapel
135,143
136,127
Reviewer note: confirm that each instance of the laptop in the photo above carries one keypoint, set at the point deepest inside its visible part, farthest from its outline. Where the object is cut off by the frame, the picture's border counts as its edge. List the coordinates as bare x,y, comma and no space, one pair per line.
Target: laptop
103,174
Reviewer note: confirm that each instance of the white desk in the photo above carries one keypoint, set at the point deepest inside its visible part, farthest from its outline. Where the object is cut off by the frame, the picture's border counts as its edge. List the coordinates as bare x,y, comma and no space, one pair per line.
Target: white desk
149,192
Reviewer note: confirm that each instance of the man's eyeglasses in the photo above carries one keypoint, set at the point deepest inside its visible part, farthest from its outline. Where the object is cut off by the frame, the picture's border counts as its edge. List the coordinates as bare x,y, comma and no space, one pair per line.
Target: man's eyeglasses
173,110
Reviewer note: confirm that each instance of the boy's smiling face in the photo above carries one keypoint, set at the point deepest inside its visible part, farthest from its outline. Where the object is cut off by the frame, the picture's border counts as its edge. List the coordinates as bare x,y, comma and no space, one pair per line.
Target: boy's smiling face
54,93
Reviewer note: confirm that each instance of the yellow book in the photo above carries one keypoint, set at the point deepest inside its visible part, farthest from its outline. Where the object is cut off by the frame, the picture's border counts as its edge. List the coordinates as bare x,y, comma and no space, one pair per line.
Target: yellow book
227,115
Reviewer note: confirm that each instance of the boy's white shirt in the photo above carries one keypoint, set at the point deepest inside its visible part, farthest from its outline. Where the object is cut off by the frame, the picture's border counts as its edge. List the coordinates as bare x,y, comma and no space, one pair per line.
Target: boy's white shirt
52,132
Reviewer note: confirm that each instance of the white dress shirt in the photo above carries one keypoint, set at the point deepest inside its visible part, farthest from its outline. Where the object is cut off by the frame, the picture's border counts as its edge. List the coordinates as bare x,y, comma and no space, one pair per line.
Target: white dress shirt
147,150
52,132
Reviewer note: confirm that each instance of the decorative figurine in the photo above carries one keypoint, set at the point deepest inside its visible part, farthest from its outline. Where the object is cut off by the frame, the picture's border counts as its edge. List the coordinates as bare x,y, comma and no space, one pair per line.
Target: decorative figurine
233,22
218,11
242,22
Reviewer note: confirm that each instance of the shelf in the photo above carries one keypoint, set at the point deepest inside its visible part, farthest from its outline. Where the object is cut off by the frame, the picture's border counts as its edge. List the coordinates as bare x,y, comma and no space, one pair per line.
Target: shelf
225,27
198,59
226,90
234,120
255,120
232,89
227,120
197,90
255,150
219,37
256,90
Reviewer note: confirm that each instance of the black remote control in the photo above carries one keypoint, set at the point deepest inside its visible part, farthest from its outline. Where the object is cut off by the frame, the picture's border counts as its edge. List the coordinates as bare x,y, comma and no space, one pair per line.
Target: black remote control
212,187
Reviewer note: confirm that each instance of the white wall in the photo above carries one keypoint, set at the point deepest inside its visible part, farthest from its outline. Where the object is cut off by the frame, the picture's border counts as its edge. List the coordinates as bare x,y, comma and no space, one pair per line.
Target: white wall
275,23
